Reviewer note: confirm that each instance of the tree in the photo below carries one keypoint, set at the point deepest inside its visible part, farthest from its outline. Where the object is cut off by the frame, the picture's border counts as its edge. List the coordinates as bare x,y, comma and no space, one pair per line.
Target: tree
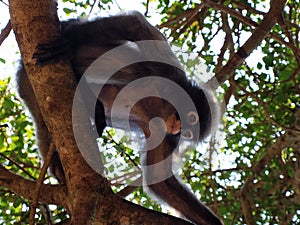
260,182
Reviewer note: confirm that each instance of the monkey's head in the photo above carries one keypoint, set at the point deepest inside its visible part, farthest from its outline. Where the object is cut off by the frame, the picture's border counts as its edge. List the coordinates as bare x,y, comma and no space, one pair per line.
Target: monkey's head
192,115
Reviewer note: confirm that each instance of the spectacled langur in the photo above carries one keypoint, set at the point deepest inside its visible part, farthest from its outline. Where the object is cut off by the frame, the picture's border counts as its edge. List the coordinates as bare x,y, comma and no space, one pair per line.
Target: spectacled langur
82,43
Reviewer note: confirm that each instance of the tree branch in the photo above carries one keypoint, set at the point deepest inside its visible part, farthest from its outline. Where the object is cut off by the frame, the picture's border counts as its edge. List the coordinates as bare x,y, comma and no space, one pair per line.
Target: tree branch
50,194
5,32
290,139
254,40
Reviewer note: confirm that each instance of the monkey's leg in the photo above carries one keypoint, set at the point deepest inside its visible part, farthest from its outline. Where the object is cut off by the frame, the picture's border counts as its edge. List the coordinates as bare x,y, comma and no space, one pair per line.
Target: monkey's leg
43,136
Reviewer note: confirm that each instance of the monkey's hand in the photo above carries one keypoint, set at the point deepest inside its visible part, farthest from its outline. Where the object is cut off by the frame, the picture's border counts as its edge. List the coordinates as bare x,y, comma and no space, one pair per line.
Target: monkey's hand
53,52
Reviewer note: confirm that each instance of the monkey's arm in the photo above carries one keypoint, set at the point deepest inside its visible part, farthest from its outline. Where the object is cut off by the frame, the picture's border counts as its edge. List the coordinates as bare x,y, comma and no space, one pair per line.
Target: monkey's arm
171,190
102,34
176,195
131,26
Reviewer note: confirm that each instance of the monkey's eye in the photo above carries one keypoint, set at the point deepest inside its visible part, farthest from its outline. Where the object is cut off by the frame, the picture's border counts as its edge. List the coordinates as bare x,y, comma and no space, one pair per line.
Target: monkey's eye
187,134
192,118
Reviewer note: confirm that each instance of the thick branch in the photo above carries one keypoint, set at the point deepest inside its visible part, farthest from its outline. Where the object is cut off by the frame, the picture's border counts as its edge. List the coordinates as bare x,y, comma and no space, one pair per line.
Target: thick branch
49,194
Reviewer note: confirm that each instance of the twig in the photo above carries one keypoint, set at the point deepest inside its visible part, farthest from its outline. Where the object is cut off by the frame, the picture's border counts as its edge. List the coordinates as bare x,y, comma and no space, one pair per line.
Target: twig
40,182
17,165
5,32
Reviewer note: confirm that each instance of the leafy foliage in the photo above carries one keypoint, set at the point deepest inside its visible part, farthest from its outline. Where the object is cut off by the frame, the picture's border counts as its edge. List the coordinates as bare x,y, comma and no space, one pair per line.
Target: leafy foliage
18,152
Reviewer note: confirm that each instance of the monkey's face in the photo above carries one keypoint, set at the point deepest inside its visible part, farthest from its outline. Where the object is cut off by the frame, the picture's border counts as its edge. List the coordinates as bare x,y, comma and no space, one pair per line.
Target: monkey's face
151,114
145,112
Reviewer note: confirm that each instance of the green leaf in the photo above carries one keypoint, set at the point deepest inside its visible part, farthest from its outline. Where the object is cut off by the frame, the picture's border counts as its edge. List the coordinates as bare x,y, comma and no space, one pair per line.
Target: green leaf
2,60
259,65
69,11
268,60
